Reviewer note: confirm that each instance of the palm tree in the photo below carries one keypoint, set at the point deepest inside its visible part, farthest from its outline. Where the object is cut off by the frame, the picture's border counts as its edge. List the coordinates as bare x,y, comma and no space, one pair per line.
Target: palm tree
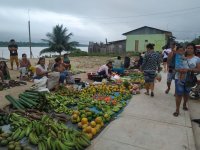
59,41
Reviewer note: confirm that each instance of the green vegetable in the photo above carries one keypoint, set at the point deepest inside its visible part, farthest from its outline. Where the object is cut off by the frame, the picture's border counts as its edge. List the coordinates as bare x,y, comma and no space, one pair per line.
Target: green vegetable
14,102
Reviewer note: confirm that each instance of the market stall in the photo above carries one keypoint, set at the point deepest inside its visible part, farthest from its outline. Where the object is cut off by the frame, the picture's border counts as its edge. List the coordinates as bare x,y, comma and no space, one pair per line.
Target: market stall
68,118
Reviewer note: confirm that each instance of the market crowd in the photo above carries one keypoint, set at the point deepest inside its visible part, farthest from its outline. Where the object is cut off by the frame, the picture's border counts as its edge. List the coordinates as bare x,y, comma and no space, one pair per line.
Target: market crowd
180,63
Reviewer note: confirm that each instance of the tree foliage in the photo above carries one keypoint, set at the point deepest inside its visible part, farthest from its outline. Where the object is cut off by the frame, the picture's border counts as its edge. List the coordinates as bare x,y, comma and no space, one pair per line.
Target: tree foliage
196,41
59,41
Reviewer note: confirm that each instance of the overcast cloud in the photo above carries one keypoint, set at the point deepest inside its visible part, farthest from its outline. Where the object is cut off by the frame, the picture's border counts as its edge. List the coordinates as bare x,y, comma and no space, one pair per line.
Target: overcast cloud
95,20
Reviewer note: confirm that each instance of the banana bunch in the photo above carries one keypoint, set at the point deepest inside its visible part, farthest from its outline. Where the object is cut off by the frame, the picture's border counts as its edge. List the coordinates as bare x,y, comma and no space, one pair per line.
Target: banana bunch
18,120
18,134
33,138
76,140
49,134
42,145
81,141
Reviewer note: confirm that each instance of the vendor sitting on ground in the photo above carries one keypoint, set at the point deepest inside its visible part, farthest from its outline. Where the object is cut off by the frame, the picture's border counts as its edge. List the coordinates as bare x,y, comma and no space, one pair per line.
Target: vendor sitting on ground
105,70
41,69
4,73
66,61
24,66
118,66
59,67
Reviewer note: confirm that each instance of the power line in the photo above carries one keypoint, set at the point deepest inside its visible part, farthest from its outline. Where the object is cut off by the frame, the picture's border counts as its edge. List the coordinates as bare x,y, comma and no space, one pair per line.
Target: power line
148,14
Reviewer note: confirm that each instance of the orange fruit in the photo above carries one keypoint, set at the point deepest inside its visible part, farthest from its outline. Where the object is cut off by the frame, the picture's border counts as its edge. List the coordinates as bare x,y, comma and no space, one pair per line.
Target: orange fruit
102,124
94,131
84,130
89,135
98,120
84,126
97,128
88,129
84,120
93,124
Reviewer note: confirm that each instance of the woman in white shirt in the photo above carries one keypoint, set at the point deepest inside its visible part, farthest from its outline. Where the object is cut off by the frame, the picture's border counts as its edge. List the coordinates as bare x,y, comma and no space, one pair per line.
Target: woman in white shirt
41,69
42,74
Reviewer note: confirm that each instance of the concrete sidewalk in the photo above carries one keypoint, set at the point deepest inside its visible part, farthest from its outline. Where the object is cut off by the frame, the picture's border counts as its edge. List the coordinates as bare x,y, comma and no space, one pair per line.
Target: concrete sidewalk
148,124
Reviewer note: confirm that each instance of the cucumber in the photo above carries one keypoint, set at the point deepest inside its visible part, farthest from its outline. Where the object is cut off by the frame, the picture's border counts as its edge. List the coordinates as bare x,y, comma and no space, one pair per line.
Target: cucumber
28,100
29,96
14,102
25,103
33,94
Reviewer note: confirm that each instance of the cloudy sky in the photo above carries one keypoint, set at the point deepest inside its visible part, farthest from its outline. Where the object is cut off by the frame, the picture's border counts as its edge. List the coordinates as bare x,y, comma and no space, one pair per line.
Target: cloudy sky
95,20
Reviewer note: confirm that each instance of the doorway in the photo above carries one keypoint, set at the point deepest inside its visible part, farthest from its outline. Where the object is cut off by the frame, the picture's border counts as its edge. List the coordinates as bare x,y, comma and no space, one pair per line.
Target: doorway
136,45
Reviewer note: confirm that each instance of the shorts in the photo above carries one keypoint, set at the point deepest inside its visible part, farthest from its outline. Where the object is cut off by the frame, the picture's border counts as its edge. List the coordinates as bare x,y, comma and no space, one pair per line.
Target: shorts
181,89
164,59
170,76
14,58
149,76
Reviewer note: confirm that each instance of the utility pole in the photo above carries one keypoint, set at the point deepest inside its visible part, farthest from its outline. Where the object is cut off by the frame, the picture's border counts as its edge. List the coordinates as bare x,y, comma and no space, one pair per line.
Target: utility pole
106,46
29,31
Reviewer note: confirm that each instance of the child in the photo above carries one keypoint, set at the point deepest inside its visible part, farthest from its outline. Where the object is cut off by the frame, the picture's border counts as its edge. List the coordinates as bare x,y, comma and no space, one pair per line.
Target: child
66,62
179,59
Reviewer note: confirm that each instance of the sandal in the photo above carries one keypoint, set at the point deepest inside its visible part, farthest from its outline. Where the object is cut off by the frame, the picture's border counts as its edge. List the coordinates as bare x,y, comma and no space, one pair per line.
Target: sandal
185,108
146,93
152,94
175,114
167,91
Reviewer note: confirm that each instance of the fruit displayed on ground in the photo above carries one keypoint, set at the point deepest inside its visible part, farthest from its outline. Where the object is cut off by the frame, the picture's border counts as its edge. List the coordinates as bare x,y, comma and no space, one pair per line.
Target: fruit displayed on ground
45,134
66,119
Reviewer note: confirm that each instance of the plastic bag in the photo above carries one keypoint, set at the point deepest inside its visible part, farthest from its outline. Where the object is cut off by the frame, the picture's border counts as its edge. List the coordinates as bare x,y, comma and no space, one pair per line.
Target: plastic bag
159,77
41,83
53,80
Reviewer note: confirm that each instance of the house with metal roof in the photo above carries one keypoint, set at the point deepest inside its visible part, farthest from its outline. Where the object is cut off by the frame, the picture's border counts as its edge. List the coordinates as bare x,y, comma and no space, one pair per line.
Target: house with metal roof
136,40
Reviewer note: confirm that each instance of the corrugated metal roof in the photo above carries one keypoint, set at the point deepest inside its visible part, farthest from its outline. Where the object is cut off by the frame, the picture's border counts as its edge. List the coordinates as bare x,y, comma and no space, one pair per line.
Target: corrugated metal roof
146,27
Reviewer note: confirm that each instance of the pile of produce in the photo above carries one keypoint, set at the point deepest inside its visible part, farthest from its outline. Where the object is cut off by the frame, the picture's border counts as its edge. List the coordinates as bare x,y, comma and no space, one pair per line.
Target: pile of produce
137,77
43,134
28,99
66,119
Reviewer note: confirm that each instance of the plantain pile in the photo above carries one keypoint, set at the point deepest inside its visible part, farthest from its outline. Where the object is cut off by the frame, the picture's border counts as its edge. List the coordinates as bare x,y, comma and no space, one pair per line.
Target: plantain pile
47,134
60,104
